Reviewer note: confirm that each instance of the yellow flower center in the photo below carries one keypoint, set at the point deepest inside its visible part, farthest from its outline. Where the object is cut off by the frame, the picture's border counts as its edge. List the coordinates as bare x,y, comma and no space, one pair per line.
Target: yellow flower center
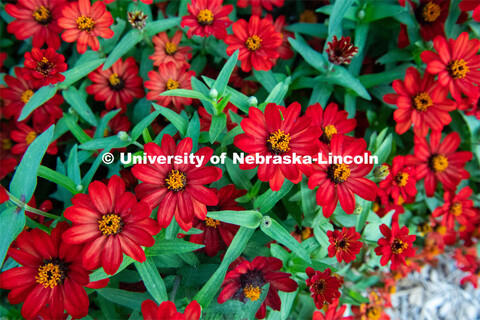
431,12
49,275
398,246
421,101
439,163
44,66
278,142
329,131
442,230
170,48
458,69
114,79
375,207
110,224
85,23
251,292
26,96
342,244
253,43
424,228
209,222
205,17
176,180
338,172
172,84
30,137
306,232
456,208
373,313
42,15
401,179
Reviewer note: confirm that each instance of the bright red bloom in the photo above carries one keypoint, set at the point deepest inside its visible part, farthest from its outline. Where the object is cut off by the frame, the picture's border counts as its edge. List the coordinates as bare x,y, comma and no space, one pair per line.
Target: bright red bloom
438,161
468,261
456,207
168,310
169,77
268,135
341,51
144,1
420,101
340,182
84,22
246,280
469,5
37,18
167,50
207,17
117,85
285,49
344,244
24,136
401,182
257,41
471,105
396,245
44,65
51,273
323,286
456,64
177,189
331,313
330,121
257,5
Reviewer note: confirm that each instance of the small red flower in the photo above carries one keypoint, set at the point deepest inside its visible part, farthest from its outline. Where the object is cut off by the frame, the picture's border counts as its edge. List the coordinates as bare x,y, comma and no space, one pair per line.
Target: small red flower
169,77
24,136
51,277
285,49
207,17
323,286
468,261
420,101
37,19
469,5
396,245
257,5
167,50
257,41
341,51
401,182
168,310
457,207
177,189
331,312
344,244
246,280
456,64
431,15
117,85
84,22
44,65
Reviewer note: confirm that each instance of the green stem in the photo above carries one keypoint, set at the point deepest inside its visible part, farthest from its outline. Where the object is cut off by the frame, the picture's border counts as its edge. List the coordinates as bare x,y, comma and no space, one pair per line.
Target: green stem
25,206
138,144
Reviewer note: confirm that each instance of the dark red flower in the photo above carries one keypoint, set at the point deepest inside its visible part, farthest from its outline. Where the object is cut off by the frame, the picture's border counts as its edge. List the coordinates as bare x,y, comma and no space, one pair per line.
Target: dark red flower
207,17
323,286
456,64
420,101
431,15
246,280
469,5
401,182
37,19
167,50
285,49
257,41
24,136
168,311
396,245
277,133
44,65
257,5
237,79
117,85
177,189
344,244
457,207
341,51
51,277
3,195
331,312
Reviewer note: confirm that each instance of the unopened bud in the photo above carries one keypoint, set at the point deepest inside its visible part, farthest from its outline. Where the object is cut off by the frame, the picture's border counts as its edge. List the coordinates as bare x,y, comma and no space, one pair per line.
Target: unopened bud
213,94
381,172
137,19
361,14
122,135
358,208
252,101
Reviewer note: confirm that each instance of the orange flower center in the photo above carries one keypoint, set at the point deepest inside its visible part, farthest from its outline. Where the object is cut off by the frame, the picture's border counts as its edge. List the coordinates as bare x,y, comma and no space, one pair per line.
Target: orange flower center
252,293
306,232
85,23
209,222
374,313
458,69
456,208
422,101
253,43
278,142
26,96
172,84
319,286
42,15
110,224
30,137
398,246
401,179
205,17
338,172
342,244
50,275
176,180
329,131
114,79
431,12
170,48
439,163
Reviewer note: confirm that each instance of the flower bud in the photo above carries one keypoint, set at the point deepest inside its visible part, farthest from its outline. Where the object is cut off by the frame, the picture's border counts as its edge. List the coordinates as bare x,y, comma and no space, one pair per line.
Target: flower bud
252,101
381,172
122,135
213,94
137,19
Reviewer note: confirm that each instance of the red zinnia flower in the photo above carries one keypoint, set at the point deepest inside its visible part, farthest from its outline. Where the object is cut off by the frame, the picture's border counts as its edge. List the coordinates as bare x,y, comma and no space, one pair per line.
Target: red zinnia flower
169,51
284,50
468,261
168,310
331,312
37,18
456,207
117,85
437,161
420,101
341,181
323,286
471,105
177,189
110,222
246,280
144,1
269,135
258,4
431,15
24,136
84,22
257,42
341,51
469,5
169,77
330,121
44,65
344,244
396,245
401,182
456,64
51,273
207,17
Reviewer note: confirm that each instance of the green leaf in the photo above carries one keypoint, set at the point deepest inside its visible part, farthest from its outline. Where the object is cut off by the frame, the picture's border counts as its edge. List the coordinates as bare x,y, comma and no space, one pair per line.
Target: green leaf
24,181
78,103
219,123
383,151
126,44
131,300
335,21
100,132
75,129
266,78
12,222
91,172
267,201
239,177
57,178
154,27
362,217
102,143
310,29
73,168
247,218
165,246
193,131
138,129
77,73
177,120
321,93
39,98
152,280
186,94
279,92
222,80
230,136
107,45
370,80
312,57
377,11
344,78
237,98
100,274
